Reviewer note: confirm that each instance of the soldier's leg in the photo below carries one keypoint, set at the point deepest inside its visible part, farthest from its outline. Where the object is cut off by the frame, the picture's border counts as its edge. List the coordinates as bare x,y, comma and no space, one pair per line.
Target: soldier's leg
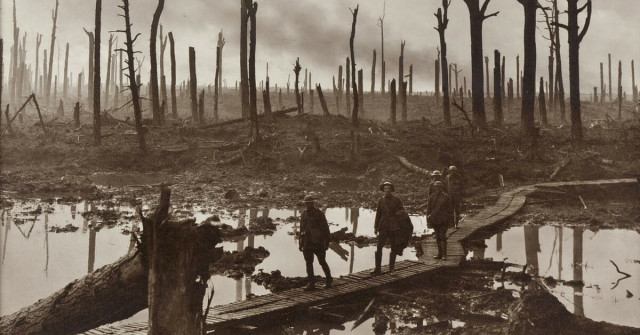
382,239
321,254
443,240
438,235
308,258
456,209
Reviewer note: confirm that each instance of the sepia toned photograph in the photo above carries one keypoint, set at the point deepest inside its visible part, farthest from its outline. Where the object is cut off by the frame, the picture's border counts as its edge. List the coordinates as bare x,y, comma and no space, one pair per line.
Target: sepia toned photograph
328,167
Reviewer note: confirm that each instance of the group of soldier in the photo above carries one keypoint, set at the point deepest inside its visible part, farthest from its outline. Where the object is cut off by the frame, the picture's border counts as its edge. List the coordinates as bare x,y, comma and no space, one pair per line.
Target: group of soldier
392,223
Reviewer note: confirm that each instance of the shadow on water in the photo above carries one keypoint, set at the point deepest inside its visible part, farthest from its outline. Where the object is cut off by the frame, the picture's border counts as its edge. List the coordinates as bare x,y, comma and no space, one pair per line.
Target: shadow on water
36,262
579,255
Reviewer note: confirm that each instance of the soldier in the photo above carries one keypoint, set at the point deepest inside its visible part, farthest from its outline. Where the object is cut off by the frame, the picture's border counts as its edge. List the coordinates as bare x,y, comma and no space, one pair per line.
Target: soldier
439,217
386,226
435,176
455,188
314,240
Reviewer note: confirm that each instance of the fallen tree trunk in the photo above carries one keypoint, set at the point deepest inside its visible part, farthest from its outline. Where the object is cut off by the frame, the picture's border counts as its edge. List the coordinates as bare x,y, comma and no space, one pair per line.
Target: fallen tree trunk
242,119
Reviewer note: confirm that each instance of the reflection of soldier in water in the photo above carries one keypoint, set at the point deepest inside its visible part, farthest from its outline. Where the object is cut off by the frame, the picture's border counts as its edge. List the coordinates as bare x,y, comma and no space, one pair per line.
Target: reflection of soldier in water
314,240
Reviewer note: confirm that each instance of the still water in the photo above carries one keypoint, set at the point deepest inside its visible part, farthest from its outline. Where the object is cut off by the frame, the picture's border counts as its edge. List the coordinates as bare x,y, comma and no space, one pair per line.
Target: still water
578,254
36,262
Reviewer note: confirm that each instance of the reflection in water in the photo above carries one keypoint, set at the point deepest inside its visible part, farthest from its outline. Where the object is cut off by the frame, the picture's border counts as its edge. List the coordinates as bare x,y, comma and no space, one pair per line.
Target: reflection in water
596,299
6,233
92,250
46,242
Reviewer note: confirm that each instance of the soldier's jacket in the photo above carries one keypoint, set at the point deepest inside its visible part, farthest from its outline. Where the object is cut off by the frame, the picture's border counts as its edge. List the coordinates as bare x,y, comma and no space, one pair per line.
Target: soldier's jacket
314,230
431,188
386,213
439,210
455,185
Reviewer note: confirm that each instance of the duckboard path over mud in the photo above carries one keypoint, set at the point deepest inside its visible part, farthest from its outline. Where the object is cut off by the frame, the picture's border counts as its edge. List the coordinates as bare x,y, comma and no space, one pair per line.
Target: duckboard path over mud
275,307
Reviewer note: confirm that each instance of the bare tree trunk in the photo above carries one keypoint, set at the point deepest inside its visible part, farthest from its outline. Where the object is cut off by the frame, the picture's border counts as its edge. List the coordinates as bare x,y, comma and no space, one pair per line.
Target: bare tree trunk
486,65
90,76
502,82
529,79
340,89
35,80
497,91
14,57
323,102
633,83
411,79
66,78
348,85
393,110
477,15
201,108
575,37
373,74
296,70
443,21
403,97
53,42
354,85
361,92
244,74
253,101
382,63
163,79
193,85
619,90
172,51
559,81
1,73
518,77
221,43
541,103
437,80
610,83
155,92
401,68
108,80
216,88
133,85
96,73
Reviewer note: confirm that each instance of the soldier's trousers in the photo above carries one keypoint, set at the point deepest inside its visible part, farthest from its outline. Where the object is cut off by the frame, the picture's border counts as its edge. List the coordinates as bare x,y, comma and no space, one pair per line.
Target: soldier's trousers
321,255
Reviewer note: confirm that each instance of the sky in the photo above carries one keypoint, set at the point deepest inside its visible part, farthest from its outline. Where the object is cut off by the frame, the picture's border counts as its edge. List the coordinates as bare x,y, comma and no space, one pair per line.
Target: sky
318,33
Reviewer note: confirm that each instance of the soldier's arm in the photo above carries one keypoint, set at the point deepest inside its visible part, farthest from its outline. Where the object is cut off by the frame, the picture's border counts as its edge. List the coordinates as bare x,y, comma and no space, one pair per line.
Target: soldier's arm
303,223
325,225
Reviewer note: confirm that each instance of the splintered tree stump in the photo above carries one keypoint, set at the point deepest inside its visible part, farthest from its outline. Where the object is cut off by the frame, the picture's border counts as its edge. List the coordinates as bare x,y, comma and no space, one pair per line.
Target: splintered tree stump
323,102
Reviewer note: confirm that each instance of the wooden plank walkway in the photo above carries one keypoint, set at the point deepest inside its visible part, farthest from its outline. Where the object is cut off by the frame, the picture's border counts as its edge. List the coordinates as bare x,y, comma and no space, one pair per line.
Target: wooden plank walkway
276,306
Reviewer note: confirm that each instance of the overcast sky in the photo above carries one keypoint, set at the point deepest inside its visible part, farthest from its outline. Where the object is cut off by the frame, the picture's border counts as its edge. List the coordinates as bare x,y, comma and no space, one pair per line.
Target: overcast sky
318,33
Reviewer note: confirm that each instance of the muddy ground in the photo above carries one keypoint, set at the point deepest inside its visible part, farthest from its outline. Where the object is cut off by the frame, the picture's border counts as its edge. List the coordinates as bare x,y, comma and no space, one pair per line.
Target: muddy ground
287,163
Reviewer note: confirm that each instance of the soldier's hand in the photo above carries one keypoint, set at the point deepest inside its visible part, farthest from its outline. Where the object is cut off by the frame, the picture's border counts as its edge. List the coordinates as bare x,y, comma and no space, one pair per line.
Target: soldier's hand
300,247
376,232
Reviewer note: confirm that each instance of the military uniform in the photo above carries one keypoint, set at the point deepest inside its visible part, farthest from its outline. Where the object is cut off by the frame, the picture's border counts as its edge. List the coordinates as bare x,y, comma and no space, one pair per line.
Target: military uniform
455,188
388,227
314,240
439,217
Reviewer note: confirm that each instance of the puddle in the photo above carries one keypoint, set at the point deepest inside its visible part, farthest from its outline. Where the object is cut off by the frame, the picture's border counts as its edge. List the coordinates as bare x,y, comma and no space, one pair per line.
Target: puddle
37,262
578,254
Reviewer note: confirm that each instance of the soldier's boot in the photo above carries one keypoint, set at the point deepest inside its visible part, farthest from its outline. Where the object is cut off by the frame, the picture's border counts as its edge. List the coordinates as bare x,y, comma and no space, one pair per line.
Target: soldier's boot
392,263
439,255
311,279
444,249
327,275
378,264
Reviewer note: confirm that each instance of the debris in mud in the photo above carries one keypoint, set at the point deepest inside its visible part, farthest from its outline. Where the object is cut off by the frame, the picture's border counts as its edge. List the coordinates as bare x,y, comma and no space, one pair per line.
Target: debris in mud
229,233
238,264
6,203
69,228
232,195
275,282
102,218
262,226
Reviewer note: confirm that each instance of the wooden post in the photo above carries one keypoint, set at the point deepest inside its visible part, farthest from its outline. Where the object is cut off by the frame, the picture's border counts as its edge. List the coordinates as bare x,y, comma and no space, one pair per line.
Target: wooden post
193,87
323,102
542,103
497,91
393,101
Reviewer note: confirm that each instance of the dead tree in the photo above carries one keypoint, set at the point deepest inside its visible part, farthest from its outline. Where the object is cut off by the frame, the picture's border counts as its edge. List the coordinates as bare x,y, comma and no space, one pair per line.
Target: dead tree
497,91
575,38
221,43
296,71
215,86
14,57
553,30
403,97
619,90
542,103
172,51
133,84
252,9
354,85
1,72
477,15
361,92
559,96
201,107
323,102
527,116
393,110
155,92
54,16
193,85
340,89
601,83
244,74
373,74
502,81
486,66
348,85
382,62
518,77
610,83
437,81
108,80
633,83
66,78
163,78
443,21
411,79
401,67
90,76
35,79
96,73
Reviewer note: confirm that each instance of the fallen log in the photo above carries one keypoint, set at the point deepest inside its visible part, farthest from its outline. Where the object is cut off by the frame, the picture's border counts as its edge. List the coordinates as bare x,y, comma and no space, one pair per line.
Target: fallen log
243,119
410,166
118,290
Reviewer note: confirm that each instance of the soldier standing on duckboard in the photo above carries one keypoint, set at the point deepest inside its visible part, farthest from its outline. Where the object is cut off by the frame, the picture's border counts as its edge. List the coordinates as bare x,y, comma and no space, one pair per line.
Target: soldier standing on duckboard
314,240
455,188
386,226
439,217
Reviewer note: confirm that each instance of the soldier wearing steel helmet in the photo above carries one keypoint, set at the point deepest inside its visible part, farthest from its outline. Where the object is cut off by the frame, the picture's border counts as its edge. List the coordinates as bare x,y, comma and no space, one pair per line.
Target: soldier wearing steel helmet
314,241
435,176
439,217
386,226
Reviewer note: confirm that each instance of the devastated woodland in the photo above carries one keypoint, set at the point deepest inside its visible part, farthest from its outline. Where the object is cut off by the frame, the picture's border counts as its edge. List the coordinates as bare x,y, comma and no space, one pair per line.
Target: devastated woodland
170,138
